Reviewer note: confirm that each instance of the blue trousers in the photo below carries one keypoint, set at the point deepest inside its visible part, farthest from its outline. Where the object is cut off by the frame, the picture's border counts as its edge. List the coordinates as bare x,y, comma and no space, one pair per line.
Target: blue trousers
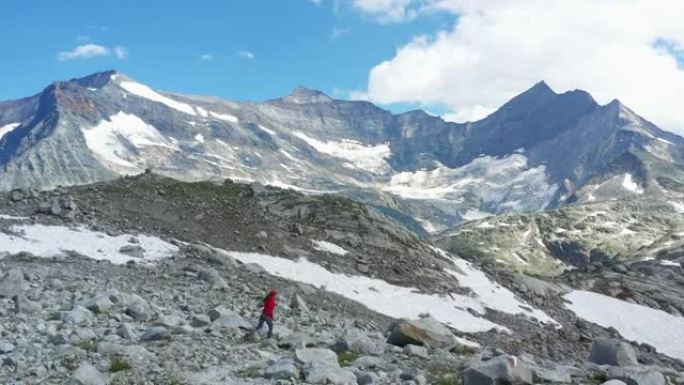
269,321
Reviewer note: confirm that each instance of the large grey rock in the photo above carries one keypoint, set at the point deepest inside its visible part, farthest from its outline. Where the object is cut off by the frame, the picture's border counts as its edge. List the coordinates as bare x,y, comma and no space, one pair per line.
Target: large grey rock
156,333
356,341
318,373
77,315
212,277
318,355
416,350
86,374
230,320
554,375
134,353
498,370
137,307
6,347
98,304
296,340
424,331
637,376
297,303
13,284
605,351
282,370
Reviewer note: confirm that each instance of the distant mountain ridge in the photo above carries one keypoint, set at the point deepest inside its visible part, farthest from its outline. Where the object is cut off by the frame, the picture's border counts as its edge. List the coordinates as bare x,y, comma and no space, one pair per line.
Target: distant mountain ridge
540,150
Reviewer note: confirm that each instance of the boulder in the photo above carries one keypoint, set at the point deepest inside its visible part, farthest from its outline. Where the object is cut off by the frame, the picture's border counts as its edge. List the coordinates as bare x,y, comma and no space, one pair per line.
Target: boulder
156,333
416,350
637,376
86,374
356,341
212,277
77,315
137,308
297,303
25,306
296,340
282,370
133,353
98,304
425,331
126,331
498,370
6,347
13,284
230,320
318,355
135,251
200,320
606,351
318,373
555,375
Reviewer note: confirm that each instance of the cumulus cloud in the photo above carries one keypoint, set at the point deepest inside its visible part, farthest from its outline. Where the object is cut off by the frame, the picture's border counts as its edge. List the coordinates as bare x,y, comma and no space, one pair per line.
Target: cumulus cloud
388,10
207,57
85,51
625,49
246,54
88,51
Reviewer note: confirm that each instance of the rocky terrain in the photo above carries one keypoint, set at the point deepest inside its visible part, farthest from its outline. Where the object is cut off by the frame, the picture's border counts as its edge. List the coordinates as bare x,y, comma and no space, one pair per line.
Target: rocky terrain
147,280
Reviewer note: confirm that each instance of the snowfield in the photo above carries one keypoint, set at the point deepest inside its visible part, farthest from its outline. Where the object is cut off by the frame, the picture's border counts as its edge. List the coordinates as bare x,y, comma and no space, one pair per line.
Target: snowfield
49,241
494,179
146,92
454,310
638,323
369,158
6,129
111,139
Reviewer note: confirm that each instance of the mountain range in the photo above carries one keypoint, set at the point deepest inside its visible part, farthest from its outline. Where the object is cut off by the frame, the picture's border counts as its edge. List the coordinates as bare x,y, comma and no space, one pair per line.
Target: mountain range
541,150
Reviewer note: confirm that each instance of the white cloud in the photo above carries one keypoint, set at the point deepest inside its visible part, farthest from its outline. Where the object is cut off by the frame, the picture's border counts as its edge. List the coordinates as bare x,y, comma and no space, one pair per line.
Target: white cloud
84,52
388,10
622,49
120,52
317,2
88,51
246,54
338,32
207,57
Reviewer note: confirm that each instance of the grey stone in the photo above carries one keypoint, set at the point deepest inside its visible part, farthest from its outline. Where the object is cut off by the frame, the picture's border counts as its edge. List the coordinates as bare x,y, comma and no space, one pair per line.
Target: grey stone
77,315
156,333
555,375
200,320
212,277
126,331
86,374
6,347
297,303
98,304
416,350
424,331
636,376
500,369
356,341
135,251
138,308
606,351
13,284
318,355
281,370
318,373
368,378
230,320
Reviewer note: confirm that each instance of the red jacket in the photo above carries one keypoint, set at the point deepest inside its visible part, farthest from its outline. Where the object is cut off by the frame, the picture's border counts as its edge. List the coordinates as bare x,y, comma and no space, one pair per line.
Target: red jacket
270,304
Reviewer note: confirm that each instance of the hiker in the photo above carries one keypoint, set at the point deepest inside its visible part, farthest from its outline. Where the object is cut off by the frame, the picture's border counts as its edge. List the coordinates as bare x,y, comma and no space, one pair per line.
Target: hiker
267,313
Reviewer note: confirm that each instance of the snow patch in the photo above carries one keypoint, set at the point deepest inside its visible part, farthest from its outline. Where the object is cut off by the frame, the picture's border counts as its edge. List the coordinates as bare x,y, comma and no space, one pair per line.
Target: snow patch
369,158
377,294
110,140
150,94
49,241
199,138
630,185
6,129
12,218
499,180
328,247
634,322
679,208
225,117
268,131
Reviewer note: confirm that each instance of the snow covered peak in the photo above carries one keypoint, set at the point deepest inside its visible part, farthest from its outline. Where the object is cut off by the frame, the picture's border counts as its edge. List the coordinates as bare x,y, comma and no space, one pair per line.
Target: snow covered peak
303,95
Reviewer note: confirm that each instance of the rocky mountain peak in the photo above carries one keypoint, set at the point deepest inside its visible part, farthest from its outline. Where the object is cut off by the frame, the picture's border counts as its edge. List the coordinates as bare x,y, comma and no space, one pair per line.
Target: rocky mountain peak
303,95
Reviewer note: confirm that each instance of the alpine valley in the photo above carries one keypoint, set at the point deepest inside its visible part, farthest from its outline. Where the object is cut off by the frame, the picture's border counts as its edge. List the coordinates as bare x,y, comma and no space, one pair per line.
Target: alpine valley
138,228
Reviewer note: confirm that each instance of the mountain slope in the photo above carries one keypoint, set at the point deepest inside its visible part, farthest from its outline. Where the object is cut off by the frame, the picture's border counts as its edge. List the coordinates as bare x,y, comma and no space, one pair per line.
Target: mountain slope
540,150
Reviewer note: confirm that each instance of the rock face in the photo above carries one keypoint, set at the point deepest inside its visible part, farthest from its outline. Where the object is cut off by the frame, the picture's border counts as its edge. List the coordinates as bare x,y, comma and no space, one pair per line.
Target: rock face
612,352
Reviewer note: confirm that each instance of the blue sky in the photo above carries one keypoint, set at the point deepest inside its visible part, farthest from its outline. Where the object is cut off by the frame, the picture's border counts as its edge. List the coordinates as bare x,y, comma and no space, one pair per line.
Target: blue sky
259,49
461,59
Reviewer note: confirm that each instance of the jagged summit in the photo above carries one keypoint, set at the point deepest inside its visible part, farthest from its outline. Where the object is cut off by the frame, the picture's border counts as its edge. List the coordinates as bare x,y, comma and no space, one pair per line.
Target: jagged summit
303,95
